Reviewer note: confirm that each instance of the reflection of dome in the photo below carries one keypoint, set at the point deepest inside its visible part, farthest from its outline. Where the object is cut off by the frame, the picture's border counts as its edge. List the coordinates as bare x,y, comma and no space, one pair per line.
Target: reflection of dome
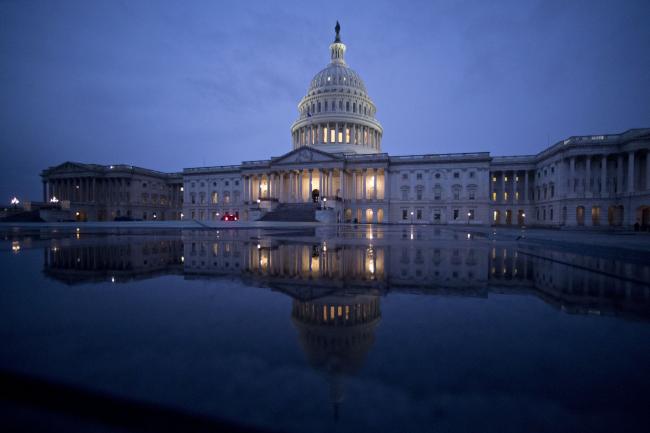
336,334
337,115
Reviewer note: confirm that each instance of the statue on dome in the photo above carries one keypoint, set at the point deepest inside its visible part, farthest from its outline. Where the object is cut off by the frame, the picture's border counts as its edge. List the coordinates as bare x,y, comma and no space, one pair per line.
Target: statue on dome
338,30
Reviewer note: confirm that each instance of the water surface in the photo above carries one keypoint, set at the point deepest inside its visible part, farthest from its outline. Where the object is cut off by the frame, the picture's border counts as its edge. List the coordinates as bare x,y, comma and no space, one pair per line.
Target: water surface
349,329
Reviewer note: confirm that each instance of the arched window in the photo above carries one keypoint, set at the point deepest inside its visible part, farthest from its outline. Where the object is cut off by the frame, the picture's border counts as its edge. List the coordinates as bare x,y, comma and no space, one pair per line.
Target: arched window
354,107
347,106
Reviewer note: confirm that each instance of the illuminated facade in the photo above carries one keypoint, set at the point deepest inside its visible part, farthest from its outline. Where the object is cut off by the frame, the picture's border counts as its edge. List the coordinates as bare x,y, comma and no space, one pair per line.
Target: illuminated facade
336,172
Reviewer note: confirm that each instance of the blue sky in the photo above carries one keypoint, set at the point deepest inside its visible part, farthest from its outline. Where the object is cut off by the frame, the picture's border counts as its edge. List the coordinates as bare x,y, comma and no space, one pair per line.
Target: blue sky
167,85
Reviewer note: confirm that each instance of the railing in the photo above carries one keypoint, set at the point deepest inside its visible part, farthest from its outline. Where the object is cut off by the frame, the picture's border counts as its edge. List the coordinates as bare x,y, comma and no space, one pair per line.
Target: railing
211,168
432,156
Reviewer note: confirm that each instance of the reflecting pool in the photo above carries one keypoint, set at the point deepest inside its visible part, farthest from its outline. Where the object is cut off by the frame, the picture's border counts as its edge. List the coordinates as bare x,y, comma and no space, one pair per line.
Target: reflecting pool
397,329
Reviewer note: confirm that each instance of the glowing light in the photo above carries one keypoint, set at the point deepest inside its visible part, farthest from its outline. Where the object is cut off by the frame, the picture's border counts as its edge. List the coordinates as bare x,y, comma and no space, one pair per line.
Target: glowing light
112,279
259,201
523,215
54,199
15,201
259,246
182,189
182,215
182,259
469,236
78,229
15,247
111,167
76,214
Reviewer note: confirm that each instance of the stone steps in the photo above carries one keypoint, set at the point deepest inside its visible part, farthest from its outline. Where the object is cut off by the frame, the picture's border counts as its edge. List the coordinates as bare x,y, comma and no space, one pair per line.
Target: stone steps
298,212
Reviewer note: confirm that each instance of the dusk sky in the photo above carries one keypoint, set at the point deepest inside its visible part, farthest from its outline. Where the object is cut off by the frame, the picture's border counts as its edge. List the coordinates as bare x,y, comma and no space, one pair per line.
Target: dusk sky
168,85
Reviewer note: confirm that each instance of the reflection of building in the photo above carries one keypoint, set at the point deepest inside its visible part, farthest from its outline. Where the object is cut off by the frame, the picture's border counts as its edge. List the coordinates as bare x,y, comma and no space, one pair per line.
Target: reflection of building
336,333
430,265
336,160
81,262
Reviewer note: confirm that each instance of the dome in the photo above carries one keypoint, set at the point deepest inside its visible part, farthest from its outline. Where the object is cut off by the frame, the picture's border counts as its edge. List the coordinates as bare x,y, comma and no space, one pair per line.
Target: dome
337,115
336,75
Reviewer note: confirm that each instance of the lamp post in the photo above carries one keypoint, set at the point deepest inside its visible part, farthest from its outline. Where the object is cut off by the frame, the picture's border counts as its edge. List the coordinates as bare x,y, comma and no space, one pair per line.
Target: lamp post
469,214
15,202
411,217
324,202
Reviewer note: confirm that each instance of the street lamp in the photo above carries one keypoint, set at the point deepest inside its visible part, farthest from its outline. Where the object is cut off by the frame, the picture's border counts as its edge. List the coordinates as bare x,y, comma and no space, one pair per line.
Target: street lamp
54,200
411,217
324,202
469,214
15,202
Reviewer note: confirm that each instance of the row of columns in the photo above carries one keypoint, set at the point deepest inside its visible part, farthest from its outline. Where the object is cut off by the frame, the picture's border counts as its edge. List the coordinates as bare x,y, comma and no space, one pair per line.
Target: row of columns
589,188
273,185
344,133
512,185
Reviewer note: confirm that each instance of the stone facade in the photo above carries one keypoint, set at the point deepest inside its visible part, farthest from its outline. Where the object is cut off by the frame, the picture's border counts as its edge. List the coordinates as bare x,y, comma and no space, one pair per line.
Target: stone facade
90,192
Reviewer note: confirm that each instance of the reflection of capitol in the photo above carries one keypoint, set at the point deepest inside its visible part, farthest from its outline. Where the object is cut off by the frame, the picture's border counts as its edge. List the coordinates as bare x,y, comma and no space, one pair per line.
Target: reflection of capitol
336,333
308,270
336,284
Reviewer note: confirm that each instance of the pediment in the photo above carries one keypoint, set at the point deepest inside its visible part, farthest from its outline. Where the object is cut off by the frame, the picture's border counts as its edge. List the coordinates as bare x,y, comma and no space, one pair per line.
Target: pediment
71,167
305,155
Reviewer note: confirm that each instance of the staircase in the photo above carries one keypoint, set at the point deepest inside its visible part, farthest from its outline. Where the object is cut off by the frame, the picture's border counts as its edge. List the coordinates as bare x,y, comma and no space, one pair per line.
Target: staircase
292,212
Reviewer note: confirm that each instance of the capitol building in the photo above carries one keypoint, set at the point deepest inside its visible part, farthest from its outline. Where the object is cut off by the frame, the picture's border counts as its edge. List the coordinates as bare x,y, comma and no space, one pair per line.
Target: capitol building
336,172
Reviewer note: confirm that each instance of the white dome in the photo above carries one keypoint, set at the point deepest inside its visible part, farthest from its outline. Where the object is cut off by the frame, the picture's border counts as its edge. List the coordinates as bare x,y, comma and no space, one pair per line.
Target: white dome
337,115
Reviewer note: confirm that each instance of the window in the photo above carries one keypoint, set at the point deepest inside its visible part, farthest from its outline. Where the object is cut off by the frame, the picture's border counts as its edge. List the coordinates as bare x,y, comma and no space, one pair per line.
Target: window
471,174
436,215
202,184
193,199
494,178
437,192
505,196
214,183
418,176
202,197
472,195
144,184
405,176
405,194
494,196
405,214
516,195
470,214
419,193
227,183
437,175
215,197
456,175
456,214
237,183
418,214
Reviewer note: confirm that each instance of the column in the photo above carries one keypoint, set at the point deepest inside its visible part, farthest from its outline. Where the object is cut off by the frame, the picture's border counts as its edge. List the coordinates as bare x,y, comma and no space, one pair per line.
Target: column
572,174
301,197
354,184
647,171
320,183
502,195
329,183
342,184
525,197
619,174
310,185
363,184
630,172
588,176
374,181
603,177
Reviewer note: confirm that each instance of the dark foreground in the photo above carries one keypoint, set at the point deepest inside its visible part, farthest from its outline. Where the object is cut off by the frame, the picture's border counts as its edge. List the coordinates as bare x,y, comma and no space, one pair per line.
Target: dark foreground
392,329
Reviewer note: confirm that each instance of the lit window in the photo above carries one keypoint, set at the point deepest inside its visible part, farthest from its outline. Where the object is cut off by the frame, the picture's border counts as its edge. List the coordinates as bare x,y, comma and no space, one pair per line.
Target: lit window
494,196
505,196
